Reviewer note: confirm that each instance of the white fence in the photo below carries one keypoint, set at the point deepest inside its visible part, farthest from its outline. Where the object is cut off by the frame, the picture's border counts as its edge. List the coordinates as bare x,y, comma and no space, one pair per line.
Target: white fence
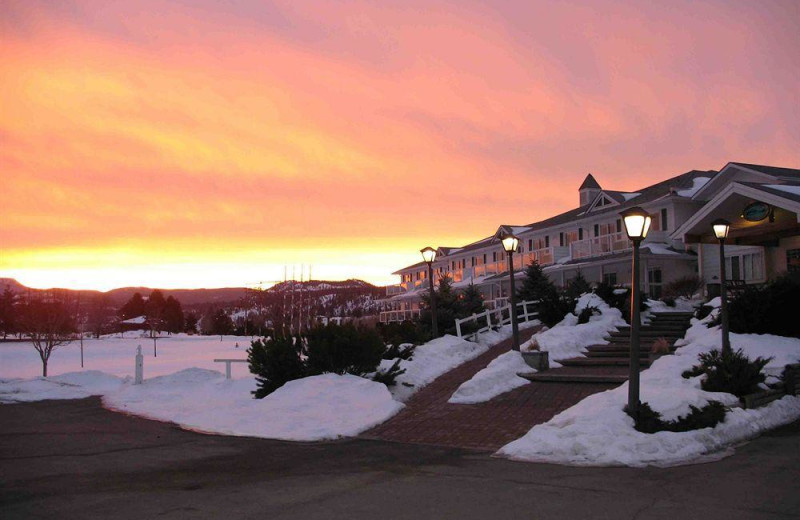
496,318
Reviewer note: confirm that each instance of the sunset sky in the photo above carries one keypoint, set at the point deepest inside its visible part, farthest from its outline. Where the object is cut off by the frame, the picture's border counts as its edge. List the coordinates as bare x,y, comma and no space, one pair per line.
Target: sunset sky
208,144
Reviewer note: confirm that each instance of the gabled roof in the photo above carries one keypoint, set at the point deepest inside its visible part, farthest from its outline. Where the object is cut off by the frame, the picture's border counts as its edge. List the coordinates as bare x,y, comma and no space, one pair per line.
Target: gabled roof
775,171
589,183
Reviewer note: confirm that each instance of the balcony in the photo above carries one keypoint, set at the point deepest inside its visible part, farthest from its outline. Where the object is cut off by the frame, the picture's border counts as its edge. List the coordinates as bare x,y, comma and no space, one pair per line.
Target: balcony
400,315
598,246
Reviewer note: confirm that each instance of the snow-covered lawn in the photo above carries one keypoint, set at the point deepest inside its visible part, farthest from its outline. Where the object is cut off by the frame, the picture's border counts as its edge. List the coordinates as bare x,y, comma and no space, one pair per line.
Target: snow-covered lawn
115,355
597,432
185,386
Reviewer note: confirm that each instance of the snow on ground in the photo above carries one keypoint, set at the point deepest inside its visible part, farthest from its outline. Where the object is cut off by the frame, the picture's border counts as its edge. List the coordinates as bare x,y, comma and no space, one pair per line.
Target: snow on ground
185,386
442,355
568,339
596,431
681,305
115,355
499,377
322,407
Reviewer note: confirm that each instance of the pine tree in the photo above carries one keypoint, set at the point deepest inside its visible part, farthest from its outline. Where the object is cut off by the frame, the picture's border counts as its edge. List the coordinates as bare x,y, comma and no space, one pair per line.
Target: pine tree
537,286
8,312
578,286
173,315
448,308
133,307
471,301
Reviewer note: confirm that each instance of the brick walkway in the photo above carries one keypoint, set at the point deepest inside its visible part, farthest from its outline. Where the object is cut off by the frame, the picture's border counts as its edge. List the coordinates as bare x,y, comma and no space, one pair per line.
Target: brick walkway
429,419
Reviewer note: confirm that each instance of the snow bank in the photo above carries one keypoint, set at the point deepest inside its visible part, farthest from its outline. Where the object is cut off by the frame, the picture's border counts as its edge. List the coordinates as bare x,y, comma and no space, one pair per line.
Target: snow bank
499,377
596,431
443,354
73,385
322,407
568,339
681,305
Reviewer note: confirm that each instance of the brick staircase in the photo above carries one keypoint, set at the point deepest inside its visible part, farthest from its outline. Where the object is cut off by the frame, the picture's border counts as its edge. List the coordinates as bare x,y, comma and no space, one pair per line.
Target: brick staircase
610,363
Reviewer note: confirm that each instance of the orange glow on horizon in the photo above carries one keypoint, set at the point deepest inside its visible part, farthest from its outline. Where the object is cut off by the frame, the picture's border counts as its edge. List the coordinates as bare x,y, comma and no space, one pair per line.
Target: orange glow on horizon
208,145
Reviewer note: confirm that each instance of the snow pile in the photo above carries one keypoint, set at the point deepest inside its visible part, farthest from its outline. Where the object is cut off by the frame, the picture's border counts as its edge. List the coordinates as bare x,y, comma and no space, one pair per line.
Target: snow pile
681,305
441,355
596,431
73,385
328,406
499,377
568,339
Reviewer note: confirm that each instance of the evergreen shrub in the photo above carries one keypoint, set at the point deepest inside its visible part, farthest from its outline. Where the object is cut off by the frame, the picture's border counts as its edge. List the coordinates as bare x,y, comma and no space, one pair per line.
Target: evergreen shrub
686,287
274,361
343,349
389,376
650,421
771,309
730,372
586,313
552,306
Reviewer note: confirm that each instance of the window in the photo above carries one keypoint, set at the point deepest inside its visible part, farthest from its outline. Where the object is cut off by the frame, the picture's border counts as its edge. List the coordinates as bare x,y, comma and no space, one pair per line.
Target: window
530,244
580,233
494,256
484,258
610,278
547,241
664,226
561,239
619,225
793,260
656,221
654,282
597,230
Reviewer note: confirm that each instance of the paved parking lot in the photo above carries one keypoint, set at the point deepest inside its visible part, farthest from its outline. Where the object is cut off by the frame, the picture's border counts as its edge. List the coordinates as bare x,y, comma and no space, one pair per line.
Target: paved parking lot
73,459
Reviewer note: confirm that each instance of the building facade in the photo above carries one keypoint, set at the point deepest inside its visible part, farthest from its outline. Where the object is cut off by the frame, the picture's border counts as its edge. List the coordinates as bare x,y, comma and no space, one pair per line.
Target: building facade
590,239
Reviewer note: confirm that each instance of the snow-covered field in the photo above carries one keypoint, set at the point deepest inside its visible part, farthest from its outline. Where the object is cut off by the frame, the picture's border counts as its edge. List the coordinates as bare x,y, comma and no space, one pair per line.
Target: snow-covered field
596,431
185,386
115,355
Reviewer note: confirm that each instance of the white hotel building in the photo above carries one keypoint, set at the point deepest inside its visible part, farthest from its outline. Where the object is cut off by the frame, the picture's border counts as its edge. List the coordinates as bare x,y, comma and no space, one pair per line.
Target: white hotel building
761,202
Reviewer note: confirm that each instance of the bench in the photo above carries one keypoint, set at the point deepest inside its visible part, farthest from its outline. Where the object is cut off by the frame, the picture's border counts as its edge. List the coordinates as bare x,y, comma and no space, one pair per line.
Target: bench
228,365
790,386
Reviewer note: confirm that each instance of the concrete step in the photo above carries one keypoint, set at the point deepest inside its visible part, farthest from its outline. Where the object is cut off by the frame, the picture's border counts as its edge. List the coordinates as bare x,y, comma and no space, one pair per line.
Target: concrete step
554,377
600,362
615,353
655,328
643,339
680,314
647,347
648,333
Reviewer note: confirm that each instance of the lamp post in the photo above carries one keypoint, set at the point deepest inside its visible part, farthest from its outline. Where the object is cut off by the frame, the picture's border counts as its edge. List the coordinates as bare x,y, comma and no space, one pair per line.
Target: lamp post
637,224
429,255
721,229
510,244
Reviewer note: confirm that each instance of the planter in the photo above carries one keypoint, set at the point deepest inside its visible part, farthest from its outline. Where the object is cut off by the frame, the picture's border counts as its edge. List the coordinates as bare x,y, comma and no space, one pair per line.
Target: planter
537,359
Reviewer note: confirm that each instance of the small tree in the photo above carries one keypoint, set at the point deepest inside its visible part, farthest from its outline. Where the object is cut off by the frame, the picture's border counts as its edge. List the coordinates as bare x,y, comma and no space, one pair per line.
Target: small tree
274,362
8,312
448,308
100,315
471,301
173,315
578,286
190,322
49,324
344,349
537,286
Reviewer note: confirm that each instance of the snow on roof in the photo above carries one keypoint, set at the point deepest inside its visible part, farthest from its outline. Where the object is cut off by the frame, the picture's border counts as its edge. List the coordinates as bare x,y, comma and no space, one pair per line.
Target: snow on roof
629,196
697,183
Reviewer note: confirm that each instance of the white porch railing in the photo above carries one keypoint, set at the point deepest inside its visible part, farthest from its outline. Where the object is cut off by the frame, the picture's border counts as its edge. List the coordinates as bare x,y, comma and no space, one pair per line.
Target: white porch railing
602,245
402,315
496,318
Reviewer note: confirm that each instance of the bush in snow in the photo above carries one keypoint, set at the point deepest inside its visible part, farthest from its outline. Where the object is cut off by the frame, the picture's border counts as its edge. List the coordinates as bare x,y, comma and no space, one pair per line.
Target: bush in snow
578,286
389,376
650,421
403,351
620,298
586,314
686,286
537,286
771,309
274,361
702,312
398,333
729,372
344,349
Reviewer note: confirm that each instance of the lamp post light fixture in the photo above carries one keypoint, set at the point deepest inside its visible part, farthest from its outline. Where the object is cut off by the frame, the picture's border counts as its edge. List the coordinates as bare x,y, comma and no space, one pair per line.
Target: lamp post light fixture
510,244
637,224
721,229
429,255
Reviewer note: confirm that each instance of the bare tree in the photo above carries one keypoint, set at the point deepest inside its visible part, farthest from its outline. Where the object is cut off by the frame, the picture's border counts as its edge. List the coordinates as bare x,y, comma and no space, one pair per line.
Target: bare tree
48,321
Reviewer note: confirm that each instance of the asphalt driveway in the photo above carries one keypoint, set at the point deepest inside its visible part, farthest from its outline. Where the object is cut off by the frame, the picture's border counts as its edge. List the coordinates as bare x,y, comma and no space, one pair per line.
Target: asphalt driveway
73,459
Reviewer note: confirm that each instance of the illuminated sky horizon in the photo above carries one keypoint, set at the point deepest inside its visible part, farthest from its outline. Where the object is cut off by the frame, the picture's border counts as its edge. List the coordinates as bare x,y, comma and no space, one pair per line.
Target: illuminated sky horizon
210,144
